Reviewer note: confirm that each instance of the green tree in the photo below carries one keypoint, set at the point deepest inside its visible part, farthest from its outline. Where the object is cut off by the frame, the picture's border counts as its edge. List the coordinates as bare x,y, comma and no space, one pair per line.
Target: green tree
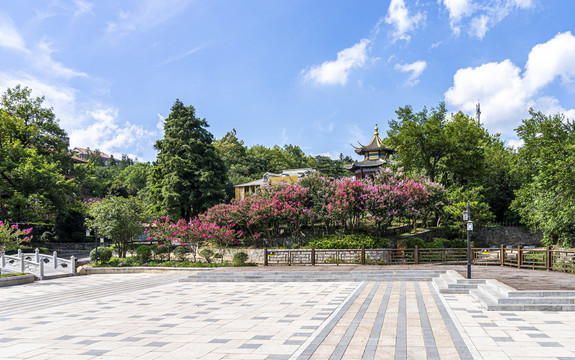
32,160
547,160
189,176
464,162
119,219
420,139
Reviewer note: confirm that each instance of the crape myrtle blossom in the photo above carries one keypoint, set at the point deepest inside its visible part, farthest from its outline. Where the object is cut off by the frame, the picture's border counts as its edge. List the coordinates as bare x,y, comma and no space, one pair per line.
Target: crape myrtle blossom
13,234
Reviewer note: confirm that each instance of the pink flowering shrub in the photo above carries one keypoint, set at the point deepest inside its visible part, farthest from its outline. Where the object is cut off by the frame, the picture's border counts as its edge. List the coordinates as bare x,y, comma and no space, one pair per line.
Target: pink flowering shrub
13,234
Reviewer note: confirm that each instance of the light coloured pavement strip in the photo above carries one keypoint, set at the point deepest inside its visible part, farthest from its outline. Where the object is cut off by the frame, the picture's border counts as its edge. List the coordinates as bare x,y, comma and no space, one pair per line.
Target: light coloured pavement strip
145,316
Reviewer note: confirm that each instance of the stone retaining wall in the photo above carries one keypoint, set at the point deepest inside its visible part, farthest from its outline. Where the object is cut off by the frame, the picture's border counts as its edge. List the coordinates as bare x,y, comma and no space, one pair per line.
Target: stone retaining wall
507,235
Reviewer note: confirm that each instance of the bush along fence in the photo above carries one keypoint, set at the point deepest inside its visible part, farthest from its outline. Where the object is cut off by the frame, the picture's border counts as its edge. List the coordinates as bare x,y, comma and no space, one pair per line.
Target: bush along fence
545,259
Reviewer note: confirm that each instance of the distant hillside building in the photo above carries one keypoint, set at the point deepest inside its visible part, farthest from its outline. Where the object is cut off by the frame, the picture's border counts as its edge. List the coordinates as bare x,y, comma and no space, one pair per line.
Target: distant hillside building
376,155
289,176
84,154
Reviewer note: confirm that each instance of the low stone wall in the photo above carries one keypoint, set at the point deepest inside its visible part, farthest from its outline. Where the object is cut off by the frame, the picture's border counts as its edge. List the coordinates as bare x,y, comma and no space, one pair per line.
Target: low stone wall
507,236
16,280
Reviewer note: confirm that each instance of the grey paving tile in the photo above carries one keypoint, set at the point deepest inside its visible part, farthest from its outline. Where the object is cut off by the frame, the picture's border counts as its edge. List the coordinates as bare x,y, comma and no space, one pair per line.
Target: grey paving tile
88,342
219,341
157,344
249,346
503,339
262,337
539,335
549,344
96,352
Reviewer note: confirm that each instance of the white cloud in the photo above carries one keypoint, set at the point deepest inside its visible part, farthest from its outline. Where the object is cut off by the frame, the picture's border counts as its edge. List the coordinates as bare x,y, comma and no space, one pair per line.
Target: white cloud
416,69
9,35
42,59
481,15
148,15
337,71
549,60
398,16
82,7
506,95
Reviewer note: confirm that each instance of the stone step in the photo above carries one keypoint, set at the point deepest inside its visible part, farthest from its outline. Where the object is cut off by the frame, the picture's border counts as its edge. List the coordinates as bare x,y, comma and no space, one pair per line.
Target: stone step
534,294
353,276
537,300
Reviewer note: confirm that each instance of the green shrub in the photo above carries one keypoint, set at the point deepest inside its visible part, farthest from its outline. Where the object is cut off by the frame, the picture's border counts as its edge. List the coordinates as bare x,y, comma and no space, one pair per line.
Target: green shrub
78,236
46,236
411,242
352,241
207,254
104,254
181,252
240,259
159,249
144,253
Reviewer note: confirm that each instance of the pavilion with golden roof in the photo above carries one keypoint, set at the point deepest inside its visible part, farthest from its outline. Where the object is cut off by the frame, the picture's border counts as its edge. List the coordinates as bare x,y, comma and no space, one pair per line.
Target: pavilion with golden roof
376,155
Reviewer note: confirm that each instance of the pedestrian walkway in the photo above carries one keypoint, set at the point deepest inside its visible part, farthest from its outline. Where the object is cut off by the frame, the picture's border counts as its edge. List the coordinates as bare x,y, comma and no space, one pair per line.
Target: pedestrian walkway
156,316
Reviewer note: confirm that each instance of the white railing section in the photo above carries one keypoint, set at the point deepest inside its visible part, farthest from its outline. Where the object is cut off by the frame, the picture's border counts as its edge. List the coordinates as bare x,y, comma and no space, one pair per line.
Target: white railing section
36,263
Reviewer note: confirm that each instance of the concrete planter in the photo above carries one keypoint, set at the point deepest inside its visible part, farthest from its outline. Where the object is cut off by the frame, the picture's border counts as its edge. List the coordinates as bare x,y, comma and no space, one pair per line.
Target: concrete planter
16,280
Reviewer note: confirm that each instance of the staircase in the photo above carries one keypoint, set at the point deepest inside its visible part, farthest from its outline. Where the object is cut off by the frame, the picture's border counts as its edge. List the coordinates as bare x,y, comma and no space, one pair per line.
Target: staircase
496,296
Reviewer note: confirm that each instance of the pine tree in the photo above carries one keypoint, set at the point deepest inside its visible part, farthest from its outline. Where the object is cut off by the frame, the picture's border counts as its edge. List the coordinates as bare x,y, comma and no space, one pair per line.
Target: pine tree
189,175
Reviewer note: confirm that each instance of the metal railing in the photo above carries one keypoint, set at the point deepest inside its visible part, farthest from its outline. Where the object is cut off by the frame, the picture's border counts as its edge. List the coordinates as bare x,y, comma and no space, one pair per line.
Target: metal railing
522,258
37,264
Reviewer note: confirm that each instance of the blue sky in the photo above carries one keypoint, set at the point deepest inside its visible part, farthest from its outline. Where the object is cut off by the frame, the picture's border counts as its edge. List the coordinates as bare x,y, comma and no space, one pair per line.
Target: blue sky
318,74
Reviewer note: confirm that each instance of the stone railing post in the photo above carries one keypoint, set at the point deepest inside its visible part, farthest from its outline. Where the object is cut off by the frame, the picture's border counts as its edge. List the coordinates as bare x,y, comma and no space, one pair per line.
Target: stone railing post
2,261
37,253
55,259
22,265
73,264
20,253
41,275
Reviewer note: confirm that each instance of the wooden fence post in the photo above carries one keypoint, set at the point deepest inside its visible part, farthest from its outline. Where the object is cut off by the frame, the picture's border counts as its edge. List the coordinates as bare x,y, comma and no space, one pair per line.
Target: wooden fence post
502,255
519,257
363,255
416,254
313,256
266,257
548,259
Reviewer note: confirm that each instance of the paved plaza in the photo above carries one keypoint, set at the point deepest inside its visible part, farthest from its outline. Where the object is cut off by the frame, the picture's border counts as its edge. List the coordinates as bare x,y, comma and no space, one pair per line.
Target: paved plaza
155,316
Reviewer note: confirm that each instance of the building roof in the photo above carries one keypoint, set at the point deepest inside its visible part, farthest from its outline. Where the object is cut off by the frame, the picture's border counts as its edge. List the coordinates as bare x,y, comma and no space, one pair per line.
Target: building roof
83,151
376,144
285,173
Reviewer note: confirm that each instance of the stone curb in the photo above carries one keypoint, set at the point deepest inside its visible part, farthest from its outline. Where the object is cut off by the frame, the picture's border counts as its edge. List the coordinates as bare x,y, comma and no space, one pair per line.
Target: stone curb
142,269
16,280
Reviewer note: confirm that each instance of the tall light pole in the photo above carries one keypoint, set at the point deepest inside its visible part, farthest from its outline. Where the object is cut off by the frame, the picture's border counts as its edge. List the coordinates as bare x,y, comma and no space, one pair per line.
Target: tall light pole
469,224
96,241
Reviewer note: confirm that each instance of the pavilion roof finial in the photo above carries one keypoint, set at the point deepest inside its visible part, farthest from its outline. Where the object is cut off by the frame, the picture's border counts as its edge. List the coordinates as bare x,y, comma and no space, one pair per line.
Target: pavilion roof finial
376,132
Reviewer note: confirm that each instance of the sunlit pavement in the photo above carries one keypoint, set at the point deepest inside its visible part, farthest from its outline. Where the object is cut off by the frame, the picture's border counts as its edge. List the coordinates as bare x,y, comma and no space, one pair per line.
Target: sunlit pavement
153,316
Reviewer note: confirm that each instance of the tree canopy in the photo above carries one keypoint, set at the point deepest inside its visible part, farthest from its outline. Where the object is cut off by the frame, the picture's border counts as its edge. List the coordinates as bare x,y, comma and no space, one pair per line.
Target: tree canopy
189,175
33,160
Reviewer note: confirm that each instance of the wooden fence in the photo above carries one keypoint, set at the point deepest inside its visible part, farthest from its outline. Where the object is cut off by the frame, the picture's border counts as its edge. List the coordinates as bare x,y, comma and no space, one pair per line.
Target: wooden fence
540,258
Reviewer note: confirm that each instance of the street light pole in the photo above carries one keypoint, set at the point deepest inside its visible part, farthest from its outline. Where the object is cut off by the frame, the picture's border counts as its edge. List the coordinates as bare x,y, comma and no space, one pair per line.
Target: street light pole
469,229
96,240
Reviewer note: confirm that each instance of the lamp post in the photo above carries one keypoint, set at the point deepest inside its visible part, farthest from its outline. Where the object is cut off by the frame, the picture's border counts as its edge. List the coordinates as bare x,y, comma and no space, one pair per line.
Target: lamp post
96,242
469,224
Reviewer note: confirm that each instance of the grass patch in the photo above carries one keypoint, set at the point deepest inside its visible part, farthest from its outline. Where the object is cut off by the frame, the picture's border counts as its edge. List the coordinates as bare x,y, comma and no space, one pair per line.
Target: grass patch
11,275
